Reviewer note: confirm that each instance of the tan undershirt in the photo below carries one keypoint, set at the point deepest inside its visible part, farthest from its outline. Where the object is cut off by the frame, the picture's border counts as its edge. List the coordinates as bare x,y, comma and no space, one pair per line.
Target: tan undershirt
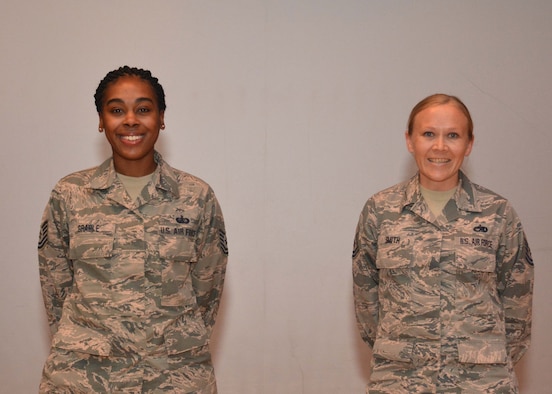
134,185
436,200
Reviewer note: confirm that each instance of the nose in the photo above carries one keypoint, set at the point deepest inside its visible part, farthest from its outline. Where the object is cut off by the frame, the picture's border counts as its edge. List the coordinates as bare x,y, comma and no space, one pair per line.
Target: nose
439,143
130,119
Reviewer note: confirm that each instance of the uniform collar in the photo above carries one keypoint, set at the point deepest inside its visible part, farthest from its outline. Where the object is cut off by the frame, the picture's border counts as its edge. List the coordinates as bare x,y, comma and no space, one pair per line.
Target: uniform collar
164,178
465,197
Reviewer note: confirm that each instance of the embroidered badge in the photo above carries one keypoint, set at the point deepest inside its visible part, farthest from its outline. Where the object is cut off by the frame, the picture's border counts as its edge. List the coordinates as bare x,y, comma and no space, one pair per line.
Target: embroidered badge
43,237
475,242
528,255
480,229
223,243
356,249
182,220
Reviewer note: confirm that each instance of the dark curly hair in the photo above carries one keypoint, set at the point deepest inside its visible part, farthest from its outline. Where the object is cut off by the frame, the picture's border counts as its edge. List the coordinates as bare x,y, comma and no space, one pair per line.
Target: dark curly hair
114,75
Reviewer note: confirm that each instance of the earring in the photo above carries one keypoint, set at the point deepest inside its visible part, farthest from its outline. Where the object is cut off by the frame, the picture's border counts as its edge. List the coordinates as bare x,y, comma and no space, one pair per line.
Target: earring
100,129
162,127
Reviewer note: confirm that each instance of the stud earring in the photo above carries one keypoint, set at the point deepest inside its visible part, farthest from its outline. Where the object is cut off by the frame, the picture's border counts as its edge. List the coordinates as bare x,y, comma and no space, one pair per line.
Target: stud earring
162,127
100,129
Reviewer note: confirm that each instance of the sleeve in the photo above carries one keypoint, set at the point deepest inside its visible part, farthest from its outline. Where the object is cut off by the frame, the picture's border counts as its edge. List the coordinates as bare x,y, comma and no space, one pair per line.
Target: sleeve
55,268
209,272
365,274
515,276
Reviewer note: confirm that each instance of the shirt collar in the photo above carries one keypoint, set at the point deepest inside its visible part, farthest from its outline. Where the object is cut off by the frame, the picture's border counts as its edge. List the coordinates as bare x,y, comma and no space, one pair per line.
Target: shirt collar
164,178
466,196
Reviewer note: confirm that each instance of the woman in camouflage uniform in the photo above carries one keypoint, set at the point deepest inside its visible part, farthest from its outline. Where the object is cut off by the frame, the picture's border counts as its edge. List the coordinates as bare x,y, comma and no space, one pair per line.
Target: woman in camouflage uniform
132,258
443,274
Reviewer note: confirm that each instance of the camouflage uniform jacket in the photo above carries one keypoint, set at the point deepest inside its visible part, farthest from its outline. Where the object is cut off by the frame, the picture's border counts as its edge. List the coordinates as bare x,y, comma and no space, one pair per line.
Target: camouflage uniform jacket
122,277
445,303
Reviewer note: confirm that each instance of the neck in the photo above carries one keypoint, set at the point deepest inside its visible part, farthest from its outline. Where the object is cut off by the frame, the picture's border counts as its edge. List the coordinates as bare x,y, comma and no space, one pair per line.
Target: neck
134,168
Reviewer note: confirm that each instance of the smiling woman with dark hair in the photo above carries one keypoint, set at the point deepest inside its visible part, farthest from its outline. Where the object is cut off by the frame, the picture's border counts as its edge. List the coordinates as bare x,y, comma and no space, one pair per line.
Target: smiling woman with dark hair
443,274
132,258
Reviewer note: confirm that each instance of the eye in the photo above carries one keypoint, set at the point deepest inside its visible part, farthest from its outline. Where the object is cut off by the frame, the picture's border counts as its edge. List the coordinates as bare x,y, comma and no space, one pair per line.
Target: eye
116,111
453,136
428,133
143,110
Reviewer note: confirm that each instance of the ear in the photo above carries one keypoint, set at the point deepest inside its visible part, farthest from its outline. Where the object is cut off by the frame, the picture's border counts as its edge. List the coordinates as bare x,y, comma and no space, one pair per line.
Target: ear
409,144
469,149
100,125
162,119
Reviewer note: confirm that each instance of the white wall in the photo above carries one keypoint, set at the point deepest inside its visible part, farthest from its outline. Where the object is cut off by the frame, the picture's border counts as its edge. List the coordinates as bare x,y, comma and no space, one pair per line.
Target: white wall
294,112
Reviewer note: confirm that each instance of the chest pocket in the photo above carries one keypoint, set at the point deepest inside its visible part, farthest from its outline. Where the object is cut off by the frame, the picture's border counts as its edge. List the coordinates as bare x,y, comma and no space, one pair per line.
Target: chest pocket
393,259
476,254
393,252
91,241
178,254
477,299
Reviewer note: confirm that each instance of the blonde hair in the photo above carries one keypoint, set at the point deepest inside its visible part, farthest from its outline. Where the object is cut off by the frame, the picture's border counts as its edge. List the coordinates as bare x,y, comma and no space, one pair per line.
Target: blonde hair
440,99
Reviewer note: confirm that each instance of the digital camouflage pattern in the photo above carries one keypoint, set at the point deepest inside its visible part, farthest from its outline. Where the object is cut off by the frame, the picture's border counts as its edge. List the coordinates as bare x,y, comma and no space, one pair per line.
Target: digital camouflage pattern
131,288
444,302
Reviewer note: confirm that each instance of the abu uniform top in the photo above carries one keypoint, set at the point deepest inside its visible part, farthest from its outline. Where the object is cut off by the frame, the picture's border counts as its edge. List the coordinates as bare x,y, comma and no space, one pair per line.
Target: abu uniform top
134,279
444,302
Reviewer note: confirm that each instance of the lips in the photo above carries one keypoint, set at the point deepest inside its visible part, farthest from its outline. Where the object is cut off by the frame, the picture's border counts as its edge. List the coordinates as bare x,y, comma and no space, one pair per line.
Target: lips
439,161
131,138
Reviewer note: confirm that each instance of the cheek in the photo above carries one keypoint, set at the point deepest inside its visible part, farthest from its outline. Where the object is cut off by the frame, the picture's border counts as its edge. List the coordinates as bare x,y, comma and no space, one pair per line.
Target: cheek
155,125
152,124
110,137
418,149
109,123
462,152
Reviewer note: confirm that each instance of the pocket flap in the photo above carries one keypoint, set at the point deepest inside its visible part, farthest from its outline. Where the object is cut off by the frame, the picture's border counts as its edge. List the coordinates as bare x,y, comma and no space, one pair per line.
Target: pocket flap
482,352
475,254
393,350
92,241
81,339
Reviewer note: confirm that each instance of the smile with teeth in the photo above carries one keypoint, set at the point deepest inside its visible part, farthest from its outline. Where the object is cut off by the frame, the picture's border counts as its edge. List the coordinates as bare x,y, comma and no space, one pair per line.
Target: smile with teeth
437,160
131,138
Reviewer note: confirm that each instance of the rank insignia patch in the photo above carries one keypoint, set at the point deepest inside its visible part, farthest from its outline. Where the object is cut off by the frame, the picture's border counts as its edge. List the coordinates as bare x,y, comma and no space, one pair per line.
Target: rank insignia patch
223,243
43,237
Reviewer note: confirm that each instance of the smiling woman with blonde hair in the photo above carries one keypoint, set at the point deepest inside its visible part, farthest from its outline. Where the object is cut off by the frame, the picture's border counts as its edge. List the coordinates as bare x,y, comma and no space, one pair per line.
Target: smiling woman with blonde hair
443,274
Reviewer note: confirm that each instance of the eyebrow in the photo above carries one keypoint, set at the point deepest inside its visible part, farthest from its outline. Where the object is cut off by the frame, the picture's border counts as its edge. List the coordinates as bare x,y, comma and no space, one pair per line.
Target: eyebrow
121,101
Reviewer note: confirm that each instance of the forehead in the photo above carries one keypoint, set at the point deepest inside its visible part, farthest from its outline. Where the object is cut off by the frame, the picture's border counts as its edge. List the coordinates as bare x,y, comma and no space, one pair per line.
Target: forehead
128,87
443,114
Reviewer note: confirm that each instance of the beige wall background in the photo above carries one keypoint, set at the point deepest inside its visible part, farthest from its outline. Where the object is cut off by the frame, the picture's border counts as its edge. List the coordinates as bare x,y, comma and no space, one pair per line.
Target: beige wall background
294,112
